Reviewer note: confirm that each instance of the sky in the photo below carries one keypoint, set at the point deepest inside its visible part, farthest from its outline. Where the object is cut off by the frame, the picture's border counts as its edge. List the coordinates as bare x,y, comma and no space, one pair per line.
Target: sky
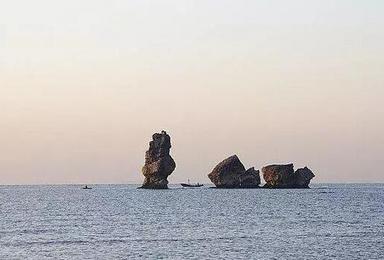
85,84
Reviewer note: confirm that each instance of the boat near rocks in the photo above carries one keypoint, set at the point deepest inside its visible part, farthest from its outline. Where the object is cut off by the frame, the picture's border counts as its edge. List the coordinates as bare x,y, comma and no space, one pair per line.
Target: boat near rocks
191,185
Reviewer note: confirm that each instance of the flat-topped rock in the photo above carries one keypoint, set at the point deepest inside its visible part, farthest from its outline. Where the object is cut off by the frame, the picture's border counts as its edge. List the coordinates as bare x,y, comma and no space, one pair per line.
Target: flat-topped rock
158,162
284,176
231,173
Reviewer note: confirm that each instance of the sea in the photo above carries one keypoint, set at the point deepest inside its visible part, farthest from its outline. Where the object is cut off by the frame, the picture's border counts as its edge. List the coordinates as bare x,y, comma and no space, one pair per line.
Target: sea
328,221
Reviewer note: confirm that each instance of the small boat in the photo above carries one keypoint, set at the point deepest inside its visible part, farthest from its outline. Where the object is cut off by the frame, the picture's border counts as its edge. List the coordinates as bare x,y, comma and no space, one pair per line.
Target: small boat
189,185
86,188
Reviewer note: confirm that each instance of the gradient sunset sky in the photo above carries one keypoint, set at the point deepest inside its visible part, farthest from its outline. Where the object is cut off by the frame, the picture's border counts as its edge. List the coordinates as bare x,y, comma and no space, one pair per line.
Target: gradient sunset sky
84,85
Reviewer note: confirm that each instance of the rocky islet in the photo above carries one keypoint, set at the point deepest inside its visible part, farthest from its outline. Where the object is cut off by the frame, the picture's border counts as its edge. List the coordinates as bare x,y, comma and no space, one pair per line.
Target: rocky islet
158,162
230,173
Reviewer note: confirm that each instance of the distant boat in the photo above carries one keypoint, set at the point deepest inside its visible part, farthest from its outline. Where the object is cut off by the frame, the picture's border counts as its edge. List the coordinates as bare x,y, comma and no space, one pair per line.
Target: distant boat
86,188
189,185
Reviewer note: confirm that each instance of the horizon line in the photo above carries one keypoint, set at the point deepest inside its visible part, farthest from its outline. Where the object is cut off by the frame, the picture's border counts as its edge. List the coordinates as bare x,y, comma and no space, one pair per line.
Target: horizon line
178,183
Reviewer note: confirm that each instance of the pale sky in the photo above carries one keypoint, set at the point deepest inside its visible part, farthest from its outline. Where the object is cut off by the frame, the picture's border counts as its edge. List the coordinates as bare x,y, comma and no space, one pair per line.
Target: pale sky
85,83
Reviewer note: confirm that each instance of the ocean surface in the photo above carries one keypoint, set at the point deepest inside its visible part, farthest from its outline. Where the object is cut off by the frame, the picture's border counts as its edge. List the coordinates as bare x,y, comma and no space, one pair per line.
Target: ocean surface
329,221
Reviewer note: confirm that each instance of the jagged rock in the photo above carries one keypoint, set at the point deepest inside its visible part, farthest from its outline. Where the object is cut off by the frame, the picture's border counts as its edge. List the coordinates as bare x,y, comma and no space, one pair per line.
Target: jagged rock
158,163
250,178
231,173
284,176
303,177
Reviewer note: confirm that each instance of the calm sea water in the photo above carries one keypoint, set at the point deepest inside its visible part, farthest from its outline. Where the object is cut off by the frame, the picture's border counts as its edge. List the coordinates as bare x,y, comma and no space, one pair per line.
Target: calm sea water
328,221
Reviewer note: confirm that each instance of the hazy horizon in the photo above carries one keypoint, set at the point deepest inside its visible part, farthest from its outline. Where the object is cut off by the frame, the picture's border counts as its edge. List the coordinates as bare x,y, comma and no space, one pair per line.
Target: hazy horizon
85,84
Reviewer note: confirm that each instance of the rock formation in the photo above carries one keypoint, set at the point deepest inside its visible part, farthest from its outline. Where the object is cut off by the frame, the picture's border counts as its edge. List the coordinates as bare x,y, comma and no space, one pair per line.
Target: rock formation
250,178
303,177
284,176
231,173
158,163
